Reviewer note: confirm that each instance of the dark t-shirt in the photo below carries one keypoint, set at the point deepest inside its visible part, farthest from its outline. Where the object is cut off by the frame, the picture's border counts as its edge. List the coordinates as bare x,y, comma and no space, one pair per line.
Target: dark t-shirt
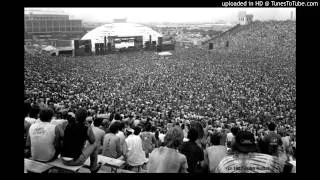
194,155
75,136
272,142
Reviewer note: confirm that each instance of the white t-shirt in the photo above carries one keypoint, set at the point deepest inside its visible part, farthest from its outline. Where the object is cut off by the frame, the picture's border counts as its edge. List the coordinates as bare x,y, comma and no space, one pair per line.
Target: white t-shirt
42,137
135,154
215,155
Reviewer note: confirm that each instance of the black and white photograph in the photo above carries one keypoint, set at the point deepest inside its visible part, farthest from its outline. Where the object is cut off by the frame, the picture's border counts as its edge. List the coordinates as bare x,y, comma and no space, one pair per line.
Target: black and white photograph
160,90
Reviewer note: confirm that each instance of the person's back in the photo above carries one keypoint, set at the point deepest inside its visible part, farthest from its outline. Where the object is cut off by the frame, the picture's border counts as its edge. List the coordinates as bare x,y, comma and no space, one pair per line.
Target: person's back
111,146
122,137
193,152
111,143
215,154
273,141
166,160
148,141
249,163
75,136
99,135
135,154
42,137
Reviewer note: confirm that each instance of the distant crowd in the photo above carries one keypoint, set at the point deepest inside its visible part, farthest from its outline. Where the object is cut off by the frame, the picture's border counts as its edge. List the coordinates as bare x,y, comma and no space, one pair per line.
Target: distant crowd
194,112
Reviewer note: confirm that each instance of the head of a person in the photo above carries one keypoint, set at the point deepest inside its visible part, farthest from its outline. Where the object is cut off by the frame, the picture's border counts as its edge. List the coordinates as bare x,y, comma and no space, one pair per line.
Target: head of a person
81,115
89,120
137,130
235,130
34,111
27,107
117,116
46,114
174,137
198,127
121,126
97,122
114,127
148,127
193,134
272,126
245,142
215,138
129,131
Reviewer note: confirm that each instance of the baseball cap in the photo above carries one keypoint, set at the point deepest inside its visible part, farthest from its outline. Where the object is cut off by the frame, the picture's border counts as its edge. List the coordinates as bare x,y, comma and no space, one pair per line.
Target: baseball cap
245,142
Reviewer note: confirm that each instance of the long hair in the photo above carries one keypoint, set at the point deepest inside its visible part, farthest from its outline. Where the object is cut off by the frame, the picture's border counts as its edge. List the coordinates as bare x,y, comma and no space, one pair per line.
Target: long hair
174,137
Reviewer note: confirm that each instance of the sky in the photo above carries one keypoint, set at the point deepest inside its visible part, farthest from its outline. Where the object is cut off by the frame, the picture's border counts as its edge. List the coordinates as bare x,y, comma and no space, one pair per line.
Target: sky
144,15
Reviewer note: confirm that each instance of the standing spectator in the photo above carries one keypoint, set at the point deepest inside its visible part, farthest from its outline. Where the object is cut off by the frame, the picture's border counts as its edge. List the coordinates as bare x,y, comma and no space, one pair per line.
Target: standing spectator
44,138
231,137
272,141
135,156
167,159
111,142
246,159
74,151
193,152
214,153
162,135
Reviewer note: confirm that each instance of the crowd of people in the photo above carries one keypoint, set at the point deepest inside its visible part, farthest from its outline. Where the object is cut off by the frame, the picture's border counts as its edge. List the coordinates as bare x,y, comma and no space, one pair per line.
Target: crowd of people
195,111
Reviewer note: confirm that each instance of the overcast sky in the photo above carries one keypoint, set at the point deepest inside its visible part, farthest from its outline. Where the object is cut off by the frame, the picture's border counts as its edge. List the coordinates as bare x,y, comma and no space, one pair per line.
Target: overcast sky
173,14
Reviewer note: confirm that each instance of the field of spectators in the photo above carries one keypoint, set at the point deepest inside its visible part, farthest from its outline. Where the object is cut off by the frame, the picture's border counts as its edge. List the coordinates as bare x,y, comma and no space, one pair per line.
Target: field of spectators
255,84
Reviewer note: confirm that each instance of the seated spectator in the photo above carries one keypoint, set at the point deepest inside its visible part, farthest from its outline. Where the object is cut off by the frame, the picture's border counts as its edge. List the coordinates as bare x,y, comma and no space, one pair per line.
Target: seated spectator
74,151
246,159
44,138
167,159
33,114
135,156
148,140
215,152
98,134
122,137
193,152
111,142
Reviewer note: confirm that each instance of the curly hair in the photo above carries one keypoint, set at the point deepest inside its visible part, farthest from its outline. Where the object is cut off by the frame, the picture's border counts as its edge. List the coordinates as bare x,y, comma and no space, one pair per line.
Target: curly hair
174,137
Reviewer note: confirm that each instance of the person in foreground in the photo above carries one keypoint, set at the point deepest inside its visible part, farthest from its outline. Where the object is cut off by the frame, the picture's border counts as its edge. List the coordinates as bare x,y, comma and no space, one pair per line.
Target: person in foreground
246,159
193,152
167,159
44,138
74,152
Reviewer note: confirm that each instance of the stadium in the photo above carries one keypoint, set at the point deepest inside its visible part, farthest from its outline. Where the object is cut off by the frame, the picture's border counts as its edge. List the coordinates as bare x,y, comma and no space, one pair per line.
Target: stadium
227,106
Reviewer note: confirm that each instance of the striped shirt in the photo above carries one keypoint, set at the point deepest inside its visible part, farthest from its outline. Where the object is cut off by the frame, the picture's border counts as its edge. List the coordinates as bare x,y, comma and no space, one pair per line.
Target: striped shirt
249,163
